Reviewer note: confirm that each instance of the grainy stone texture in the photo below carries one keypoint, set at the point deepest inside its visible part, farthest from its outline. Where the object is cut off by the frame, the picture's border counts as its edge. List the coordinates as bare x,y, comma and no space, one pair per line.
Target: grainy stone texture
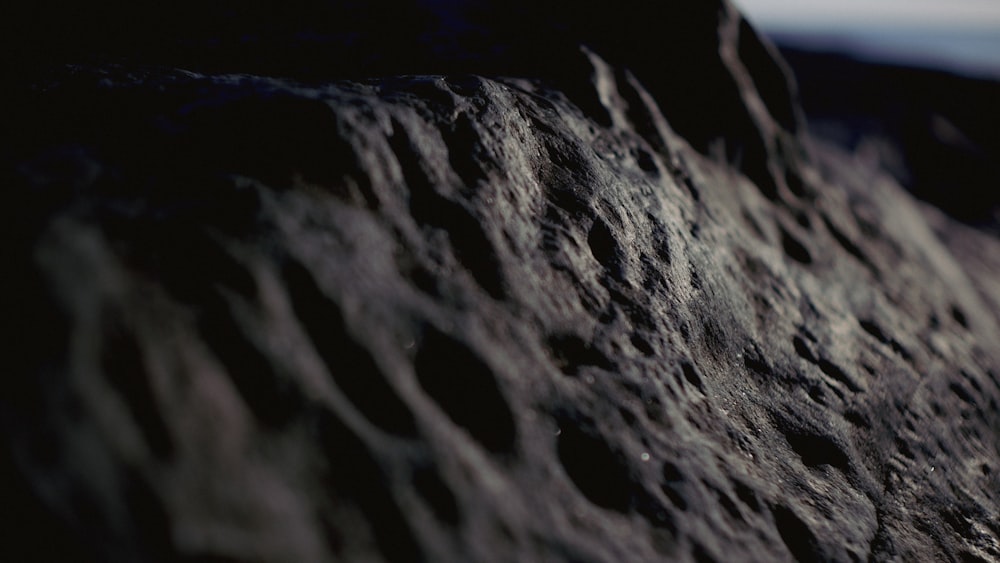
453,318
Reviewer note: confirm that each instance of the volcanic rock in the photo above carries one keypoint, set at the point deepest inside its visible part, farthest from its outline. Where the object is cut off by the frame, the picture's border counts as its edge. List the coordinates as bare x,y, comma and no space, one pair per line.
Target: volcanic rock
495,316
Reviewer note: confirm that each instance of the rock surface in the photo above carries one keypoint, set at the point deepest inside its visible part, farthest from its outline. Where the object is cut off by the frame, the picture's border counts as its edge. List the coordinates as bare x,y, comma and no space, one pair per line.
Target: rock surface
456,317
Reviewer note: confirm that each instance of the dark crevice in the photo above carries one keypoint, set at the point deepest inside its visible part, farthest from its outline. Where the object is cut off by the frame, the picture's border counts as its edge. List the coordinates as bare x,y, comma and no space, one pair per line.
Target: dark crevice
271,396
125,367
849,245
469,240
606,250
873,329
691,375
466,389
351,365
597,470
354,474
838,374
798,538
571,353
816,449
432,488
795,249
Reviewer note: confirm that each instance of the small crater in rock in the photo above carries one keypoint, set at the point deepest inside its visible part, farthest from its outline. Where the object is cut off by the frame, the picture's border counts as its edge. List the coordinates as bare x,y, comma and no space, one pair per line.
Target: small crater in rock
598,472
747,495
464,143
962,393
799,539
701,554
125,368
428,483
351,365
959,316
362,481
691,375
858,419
754,361
727,504
461,382
875,330
642,345
795,249
817,449
646,162
834,372
816,394
269,395
605,248
848,245
904,449
802,349
571,353
673,482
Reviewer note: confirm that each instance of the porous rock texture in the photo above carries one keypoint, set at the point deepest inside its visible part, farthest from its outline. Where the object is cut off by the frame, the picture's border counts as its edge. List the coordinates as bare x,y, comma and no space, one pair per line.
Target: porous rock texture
483,317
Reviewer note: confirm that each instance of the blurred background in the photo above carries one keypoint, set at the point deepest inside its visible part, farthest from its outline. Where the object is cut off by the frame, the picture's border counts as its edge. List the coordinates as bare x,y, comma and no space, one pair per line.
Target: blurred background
914,84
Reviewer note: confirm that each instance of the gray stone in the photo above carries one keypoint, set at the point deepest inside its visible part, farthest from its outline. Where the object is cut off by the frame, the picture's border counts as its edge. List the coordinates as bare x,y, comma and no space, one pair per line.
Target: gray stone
459,318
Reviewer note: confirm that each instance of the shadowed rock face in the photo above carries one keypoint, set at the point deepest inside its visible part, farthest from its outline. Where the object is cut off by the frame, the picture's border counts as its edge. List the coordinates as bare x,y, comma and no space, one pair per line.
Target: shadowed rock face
454,318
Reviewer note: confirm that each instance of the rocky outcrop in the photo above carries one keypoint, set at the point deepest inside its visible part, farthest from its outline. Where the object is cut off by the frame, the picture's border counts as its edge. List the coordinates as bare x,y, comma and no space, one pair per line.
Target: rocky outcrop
465,317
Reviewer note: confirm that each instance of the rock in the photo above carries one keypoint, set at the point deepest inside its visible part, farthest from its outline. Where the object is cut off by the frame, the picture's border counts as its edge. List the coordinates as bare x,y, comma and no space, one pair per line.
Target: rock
464,317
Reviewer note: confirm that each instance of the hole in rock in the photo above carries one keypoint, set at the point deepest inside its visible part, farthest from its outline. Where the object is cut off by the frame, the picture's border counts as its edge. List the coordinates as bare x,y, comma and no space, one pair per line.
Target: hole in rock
465,387
673,483
125,367
701,555
904,449
969,557
799,539
691,375
873,329
469,240
754,361
350,364
352,473
646,161
795,184
816,394
572,353
605,248
271,395
838,374
464,143
857,418
747,495
959,316
795,249
847,244
802,218
816,449
598,472
962,393
429,484
642,345
802,349
727,504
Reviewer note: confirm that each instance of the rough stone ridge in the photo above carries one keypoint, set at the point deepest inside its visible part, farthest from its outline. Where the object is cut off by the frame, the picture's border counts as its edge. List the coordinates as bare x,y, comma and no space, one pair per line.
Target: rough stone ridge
460,318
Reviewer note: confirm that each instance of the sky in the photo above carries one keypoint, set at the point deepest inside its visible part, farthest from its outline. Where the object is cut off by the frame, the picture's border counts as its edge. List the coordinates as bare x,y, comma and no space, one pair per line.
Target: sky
961,36
972,15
